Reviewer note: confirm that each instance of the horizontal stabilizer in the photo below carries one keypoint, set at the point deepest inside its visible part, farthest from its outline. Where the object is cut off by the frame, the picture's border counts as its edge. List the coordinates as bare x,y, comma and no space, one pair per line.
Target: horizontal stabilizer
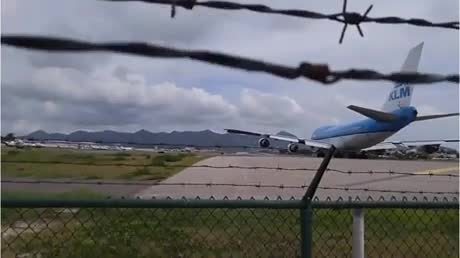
421,118
374,114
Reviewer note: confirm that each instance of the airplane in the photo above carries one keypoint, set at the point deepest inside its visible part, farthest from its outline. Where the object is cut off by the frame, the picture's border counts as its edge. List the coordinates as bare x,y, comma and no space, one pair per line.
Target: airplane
99,147
121,148
425,147
18,143
396,114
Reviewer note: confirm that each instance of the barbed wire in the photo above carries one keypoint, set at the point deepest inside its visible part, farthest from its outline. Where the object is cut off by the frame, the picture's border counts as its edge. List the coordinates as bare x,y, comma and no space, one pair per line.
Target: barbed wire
259,185
342,17
390,172
348,172
316,198
316,72
278,198
382,198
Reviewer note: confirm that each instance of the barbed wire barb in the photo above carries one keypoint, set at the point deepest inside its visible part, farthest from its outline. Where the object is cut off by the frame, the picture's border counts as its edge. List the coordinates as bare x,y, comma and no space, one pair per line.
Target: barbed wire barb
173,9
342,17
248,168
316,72
195,184
352,19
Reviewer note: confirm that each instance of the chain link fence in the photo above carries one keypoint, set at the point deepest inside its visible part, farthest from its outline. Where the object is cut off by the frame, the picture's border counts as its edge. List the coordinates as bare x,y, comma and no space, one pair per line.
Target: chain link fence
230,228
388,232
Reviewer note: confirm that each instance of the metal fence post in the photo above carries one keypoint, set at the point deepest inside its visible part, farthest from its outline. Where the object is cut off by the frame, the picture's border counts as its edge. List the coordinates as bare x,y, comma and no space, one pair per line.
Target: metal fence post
318,175
358,233
306,213
306,231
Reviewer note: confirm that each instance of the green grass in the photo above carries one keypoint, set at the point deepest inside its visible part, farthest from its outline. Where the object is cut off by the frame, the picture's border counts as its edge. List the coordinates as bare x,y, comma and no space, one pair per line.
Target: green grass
77,164
109,232
389,233
11,215
237,233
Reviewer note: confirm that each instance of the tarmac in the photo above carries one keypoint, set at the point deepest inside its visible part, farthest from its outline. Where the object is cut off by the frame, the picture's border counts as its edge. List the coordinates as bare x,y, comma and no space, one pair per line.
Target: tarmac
373,180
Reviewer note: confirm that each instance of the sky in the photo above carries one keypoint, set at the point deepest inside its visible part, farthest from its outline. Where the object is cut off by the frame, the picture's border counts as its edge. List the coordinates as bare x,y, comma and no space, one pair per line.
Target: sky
59,92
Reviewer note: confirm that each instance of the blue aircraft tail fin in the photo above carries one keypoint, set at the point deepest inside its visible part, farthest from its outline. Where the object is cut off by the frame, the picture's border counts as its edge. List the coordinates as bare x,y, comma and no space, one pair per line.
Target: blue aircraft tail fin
401,94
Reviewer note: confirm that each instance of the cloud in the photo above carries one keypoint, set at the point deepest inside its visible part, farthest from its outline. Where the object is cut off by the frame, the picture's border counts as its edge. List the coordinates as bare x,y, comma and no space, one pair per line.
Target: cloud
105,99
269,109
117,97
62,92
428,110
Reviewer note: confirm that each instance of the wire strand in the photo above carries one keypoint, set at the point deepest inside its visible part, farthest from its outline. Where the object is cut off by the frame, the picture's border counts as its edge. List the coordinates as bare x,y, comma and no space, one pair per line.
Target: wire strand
239,167
316,72
281,186
342,17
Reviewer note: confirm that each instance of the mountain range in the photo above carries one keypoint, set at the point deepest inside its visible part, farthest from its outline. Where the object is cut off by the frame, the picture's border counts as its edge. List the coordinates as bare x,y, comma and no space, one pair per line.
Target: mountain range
205,138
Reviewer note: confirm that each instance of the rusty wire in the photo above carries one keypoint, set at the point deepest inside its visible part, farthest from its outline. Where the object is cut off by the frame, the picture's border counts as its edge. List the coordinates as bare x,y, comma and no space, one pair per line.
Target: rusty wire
347,18
210,184
316,72
230,166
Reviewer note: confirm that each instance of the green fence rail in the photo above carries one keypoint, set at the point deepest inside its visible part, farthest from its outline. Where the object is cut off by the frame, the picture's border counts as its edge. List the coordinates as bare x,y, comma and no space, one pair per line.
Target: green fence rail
225,228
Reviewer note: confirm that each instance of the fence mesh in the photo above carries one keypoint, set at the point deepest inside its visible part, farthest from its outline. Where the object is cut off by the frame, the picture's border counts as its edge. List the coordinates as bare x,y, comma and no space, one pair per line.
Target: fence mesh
223,232
388,233
134,232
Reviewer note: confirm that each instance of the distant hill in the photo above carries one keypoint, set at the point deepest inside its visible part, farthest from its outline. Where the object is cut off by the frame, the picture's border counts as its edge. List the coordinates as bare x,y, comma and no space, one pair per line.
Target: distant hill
206,138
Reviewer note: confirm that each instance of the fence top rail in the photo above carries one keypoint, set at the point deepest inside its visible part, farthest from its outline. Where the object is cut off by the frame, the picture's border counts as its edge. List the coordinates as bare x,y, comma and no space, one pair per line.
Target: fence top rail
231,204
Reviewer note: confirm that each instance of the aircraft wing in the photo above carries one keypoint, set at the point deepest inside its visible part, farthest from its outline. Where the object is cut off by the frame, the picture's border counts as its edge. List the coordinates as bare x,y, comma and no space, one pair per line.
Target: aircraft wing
381,146
311,143
406,144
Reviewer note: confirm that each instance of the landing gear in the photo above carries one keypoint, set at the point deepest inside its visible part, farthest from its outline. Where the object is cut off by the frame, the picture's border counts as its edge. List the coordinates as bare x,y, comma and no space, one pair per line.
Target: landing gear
338,154
352,155
320,154
363,155
347,155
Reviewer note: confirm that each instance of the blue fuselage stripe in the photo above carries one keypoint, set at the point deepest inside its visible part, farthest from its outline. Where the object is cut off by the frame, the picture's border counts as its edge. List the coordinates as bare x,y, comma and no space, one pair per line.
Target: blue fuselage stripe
406,116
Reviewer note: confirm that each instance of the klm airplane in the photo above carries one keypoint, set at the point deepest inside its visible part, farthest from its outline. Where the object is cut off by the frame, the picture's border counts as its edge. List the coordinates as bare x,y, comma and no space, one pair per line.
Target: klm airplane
366,134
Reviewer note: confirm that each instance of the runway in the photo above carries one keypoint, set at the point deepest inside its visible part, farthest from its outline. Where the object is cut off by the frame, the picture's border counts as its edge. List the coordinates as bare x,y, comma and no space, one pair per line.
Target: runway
361,185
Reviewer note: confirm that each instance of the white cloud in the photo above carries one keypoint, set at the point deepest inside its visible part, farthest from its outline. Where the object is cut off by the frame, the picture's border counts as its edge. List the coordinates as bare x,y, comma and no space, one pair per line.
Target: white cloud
106,91
428,110
105,99
269,109
66,85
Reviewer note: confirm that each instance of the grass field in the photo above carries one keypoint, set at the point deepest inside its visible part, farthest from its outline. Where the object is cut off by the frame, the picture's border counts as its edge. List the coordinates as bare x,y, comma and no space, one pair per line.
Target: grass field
10,216
111,232
178,232
77,164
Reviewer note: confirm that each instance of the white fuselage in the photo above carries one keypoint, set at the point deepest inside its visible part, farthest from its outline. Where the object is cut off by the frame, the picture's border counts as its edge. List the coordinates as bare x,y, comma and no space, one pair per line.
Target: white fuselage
358,141
364,133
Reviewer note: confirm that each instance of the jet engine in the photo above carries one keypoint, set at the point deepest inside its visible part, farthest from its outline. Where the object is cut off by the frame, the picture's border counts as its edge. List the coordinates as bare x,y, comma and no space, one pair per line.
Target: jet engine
264,143
430,148
292,147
